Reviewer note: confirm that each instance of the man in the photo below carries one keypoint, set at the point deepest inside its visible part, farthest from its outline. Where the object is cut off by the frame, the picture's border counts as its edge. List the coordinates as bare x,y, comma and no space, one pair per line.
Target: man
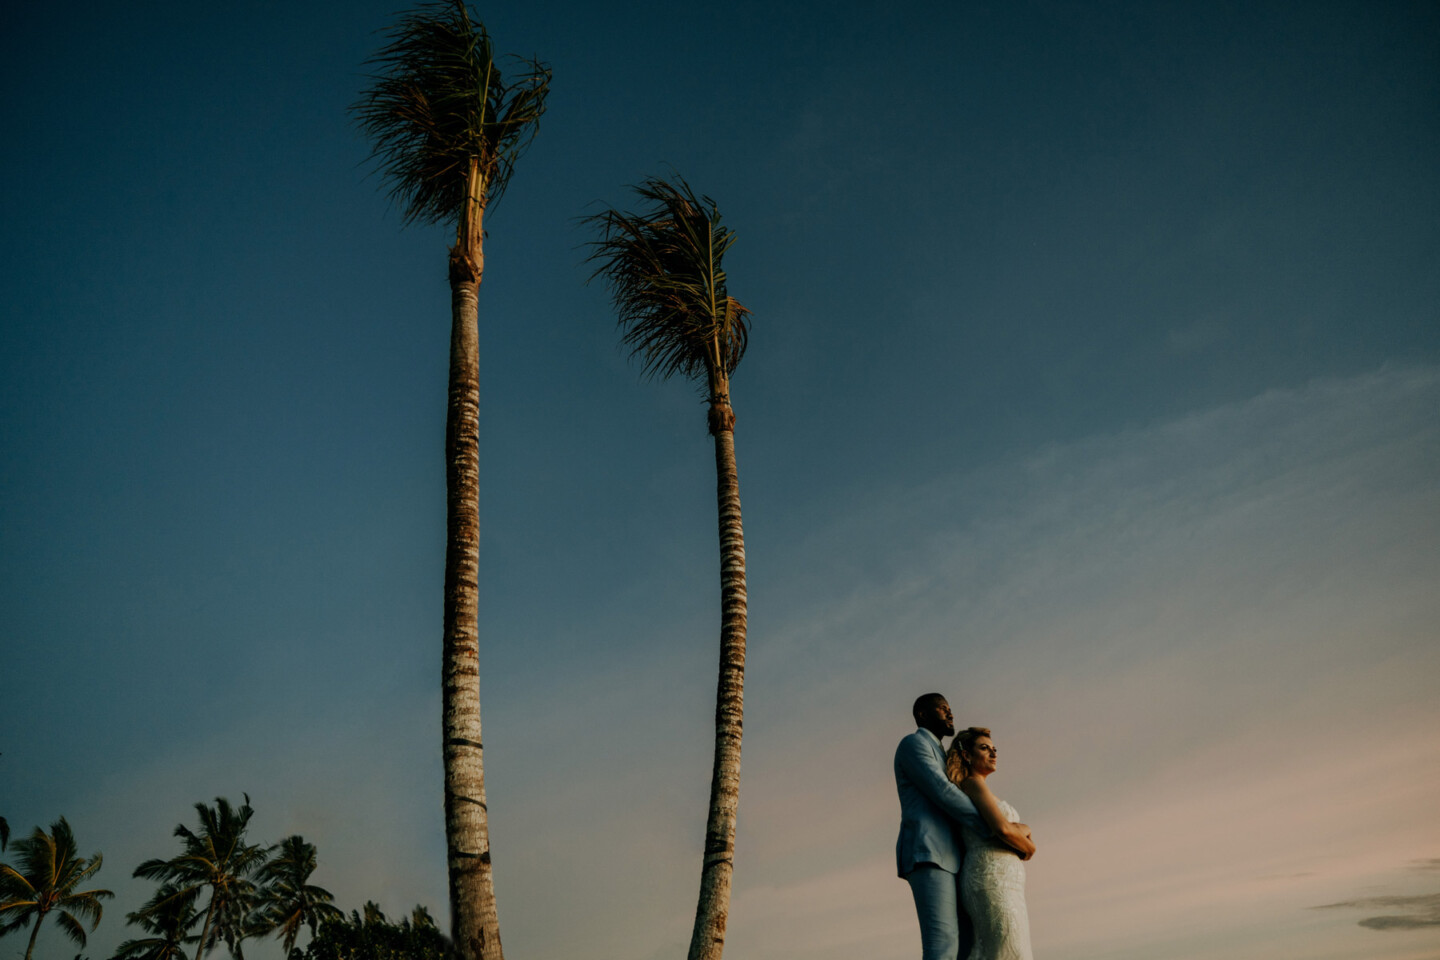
928,854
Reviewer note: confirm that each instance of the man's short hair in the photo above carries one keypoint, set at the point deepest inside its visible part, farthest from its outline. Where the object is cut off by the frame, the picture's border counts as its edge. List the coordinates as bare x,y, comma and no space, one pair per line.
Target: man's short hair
923,701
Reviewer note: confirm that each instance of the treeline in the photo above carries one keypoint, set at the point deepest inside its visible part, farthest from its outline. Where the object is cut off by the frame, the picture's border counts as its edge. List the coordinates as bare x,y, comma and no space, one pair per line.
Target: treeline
219,888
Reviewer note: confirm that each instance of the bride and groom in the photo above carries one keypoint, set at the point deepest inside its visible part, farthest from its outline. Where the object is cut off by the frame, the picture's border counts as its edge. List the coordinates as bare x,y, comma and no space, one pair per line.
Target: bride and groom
960,846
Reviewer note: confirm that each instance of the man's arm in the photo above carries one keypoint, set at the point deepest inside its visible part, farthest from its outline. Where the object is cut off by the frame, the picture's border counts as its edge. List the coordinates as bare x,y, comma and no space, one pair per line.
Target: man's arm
925,771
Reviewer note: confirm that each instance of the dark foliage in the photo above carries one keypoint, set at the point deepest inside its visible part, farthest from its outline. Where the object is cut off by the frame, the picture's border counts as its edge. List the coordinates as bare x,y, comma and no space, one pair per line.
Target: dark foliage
371,936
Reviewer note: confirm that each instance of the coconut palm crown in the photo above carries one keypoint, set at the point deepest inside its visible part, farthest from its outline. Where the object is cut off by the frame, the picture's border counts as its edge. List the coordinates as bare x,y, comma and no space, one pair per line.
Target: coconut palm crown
663,267
446,125
44,879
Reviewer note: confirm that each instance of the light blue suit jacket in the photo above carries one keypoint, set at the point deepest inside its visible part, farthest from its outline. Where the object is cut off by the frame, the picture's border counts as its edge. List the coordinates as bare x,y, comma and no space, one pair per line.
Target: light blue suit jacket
929,803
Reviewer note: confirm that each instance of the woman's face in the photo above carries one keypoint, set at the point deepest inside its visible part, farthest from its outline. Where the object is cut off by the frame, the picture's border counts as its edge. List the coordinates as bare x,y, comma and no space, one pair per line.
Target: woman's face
982,755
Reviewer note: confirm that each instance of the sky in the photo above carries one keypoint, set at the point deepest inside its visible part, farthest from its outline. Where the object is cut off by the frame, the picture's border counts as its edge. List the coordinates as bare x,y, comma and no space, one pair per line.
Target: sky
1094,381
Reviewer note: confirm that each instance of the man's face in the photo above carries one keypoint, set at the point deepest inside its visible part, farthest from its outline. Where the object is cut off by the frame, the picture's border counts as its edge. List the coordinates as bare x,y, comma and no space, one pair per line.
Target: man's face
936,717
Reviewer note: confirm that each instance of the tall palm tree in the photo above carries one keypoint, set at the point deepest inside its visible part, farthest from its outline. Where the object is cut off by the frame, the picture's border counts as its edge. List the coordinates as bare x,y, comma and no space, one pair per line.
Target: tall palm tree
217,859
447,128
663,267
44,879
169,923
290,901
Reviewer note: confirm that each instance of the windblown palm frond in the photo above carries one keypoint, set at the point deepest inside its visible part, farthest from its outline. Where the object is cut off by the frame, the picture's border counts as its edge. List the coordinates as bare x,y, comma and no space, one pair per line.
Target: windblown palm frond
440,103
663,267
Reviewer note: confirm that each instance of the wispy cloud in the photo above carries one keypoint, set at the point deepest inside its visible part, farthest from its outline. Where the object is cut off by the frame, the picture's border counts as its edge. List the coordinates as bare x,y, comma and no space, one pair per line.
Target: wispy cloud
1418,911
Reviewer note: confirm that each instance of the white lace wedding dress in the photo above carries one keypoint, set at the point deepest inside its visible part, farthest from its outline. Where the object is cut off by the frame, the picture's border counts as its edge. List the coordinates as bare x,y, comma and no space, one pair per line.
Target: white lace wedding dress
992,891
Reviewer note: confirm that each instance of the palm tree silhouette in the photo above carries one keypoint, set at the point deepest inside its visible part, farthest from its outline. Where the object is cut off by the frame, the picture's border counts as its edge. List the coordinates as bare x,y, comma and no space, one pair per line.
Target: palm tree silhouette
168,922
215,858
290,901
447,129
663,267
45,880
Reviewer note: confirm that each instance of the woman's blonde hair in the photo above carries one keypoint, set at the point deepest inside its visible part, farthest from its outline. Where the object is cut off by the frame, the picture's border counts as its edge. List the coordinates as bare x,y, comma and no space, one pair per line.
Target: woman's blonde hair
955,766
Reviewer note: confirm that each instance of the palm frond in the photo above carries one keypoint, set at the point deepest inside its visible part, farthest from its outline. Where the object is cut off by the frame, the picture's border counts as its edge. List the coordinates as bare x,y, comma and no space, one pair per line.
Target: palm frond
22,915
14,885
78,871
87,904
663,266
170,909
294,860
150,948
72,928
440,100
35,855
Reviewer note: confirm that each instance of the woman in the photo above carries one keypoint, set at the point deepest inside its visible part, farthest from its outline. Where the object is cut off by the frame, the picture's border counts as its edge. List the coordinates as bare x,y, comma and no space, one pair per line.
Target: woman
992,880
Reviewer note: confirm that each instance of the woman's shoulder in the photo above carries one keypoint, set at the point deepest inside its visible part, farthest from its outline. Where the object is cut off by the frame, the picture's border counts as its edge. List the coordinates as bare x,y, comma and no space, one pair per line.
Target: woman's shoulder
972,787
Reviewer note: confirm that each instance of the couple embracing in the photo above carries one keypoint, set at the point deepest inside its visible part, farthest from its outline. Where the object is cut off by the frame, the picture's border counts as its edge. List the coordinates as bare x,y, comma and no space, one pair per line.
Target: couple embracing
960,846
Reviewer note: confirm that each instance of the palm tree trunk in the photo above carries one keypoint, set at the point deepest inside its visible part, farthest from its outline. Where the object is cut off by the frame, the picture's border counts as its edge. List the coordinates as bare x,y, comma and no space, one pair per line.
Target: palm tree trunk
707,941
33,934
474,926
205,927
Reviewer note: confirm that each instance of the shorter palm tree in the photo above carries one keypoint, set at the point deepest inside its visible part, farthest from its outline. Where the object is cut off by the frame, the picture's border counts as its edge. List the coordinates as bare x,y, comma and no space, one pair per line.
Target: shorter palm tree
168,918
288,900
664,269
45,880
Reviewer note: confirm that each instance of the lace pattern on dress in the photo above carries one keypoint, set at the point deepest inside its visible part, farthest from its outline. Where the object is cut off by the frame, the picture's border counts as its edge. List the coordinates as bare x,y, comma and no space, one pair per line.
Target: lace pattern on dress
992,889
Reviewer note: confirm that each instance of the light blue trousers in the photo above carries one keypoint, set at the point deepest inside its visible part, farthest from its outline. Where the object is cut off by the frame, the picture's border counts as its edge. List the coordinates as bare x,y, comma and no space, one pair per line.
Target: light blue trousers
944,931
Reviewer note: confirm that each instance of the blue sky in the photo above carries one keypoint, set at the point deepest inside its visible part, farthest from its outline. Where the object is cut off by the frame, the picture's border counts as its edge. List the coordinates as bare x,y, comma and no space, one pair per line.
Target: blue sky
1094,381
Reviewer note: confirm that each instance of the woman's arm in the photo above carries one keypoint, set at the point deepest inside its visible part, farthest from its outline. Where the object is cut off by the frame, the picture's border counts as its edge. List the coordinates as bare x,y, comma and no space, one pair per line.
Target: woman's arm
1014,835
